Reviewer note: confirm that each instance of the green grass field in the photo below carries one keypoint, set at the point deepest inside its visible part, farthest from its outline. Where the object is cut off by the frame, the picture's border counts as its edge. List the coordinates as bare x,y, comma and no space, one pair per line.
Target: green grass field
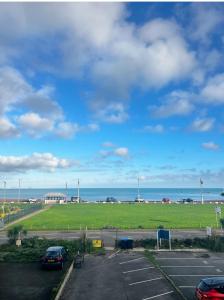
125,216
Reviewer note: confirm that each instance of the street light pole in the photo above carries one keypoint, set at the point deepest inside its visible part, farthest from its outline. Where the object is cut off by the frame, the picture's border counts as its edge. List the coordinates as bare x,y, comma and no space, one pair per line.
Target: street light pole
78,192
66,192
19,193
202,196
3,207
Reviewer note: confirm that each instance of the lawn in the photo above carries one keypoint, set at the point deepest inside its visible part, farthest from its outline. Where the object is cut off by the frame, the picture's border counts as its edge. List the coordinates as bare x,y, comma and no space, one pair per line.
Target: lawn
126,216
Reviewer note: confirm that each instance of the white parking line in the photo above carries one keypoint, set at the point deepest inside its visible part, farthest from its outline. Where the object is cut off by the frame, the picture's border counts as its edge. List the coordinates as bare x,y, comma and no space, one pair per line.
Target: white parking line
114,254
188,267
203,275
138,282
205,262
176,258
158,295
125,262
218,270
138,270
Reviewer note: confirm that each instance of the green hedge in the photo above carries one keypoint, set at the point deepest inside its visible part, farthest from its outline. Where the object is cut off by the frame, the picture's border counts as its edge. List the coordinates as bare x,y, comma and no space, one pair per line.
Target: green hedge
33,249
211,243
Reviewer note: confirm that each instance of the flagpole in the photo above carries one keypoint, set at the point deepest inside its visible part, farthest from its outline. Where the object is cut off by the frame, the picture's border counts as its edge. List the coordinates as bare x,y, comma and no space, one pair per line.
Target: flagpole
202,197
66,191
78,191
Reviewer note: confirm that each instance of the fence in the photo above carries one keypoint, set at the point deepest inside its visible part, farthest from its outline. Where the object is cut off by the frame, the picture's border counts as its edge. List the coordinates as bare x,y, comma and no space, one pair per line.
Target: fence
25,211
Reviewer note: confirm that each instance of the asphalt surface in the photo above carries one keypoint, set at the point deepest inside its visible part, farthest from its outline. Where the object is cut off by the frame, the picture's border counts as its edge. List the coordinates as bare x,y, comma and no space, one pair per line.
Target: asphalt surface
109,236
125,276
187,269
26,281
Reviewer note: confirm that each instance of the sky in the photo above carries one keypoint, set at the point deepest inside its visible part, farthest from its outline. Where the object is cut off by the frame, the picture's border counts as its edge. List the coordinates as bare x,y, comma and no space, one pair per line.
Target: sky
108,92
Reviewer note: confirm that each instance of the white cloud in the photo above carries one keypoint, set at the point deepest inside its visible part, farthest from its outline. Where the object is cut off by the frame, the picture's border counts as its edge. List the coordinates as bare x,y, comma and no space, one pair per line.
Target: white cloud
7,129
97,37
154,128
178,103
202,125
122,152
13,88
210,146
67,130
36,161
92,127
205,20
213,92
108,144
113,113
35,125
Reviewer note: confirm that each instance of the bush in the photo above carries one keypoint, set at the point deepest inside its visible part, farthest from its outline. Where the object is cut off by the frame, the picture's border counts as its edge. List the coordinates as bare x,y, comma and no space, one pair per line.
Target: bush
33,249
15,233
210,243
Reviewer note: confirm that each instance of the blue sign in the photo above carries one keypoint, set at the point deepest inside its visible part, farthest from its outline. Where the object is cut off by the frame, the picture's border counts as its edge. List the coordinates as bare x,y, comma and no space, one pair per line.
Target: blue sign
163,234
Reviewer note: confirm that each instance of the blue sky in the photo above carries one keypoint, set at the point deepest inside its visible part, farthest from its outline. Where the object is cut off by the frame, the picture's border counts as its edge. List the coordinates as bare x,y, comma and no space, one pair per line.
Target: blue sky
107,92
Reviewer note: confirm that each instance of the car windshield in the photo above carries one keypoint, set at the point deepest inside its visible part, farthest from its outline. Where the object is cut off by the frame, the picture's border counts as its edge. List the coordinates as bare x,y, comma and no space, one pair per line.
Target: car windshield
203,286
52,253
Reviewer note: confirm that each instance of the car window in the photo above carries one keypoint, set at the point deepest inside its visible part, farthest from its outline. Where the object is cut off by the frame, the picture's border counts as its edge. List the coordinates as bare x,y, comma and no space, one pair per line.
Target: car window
52,253
203,286
220,289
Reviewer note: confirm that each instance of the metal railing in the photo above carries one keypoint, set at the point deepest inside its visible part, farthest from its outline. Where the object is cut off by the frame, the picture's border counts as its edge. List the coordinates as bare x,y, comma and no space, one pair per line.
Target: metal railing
23,212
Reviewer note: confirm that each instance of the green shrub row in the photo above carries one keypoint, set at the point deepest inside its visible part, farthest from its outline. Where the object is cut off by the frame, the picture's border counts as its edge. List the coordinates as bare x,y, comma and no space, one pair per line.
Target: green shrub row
33,249
215,243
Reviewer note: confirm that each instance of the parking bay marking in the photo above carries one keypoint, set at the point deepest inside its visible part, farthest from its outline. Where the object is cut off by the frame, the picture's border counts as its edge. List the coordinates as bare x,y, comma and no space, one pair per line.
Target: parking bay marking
113,254
125,262
176,258
148,280
203,275
138,270
158,295
218,270
187,267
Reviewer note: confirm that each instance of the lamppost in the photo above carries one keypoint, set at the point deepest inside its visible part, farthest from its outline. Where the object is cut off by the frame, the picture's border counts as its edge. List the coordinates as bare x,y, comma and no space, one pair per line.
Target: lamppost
78,193
4,200
202,196
66,191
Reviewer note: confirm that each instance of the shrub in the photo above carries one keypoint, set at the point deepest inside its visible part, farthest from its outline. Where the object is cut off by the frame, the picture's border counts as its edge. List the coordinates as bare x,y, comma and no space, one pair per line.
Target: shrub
15,233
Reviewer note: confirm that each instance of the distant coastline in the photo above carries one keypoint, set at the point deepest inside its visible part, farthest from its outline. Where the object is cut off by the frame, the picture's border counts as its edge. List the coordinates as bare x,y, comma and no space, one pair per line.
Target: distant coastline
121,194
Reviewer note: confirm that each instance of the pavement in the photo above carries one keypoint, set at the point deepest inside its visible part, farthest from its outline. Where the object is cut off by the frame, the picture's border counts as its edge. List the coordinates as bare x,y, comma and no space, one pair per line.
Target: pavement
187,269
118,276
109,236
25,281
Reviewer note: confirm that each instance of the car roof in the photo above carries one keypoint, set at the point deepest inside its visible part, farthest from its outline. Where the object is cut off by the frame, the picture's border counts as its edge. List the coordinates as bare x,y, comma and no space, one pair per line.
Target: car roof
214,281
54,248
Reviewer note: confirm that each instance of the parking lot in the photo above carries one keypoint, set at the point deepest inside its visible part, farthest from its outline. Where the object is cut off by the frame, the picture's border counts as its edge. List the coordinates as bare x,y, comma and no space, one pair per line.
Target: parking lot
121,276
186,269
23,281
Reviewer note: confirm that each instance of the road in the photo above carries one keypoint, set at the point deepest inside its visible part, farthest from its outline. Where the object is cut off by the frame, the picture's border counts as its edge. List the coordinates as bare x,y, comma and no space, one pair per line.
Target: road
109,236
118,276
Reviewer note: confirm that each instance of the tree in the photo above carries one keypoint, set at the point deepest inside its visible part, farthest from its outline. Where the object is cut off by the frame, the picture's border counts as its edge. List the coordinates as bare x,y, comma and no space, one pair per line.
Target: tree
221,223
15,233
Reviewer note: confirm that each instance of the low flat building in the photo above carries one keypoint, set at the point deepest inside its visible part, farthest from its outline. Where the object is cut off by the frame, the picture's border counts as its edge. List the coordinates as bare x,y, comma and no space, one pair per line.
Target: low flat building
55,198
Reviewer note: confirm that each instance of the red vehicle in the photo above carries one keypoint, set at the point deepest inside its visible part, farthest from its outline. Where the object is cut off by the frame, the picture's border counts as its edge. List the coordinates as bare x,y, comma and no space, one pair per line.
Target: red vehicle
210,289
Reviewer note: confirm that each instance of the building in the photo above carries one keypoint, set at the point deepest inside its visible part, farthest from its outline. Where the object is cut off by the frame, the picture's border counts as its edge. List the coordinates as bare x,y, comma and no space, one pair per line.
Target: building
55,198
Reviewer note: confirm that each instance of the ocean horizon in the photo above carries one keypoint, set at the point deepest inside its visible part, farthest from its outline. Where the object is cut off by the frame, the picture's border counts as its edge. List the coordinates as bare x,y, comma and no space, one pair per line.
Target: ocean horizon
121,194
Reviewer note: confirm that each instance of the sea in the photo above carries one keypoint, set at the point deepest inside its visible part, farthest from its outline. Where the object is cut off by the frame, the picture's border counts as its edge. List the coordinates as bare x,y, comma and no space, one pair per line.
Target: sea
121,194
